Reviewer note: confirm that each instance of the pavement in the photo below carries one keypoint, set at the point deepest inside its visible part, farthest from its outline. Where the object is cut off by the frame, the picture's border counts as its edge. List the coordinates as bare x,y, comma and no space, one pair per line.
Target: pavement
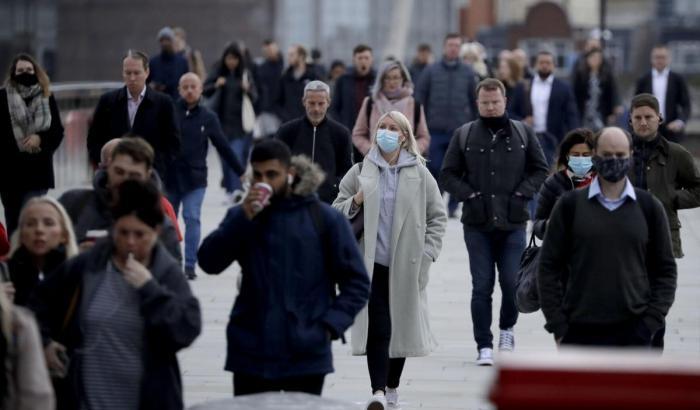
448,378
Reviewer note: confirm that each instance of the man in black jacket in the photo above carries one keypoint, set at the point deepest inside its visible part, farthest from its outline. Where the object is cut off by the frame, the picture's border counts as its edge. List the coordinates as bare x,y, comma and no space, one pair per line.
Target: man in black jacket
671,90
614,243
494,165
325,141
138,110
187,181
291,86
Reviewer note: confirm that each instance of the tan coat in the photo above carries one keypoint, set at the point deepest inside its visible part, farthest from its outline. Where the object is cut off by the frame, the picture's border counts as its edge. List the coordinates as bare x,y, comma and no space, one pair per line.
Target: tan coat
30,385
417,230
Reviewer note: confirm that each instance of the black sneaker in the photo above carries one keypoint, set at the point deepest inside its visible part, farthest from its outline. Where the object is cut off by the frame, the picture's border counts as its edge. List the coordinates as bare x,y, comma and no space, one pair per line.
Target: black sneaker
191,275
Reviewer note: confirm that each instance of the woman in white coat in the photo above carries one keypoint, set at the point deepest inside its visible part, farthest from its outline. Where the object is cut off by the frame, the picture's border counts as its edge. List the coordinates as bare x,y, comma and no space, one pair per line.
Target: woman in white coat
404,221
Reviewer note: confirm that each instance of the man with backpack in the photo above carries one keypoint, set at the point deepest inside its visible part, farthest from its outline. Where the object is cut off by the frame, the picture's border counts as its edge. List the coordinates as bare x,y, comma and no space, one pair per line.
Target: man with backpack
294,251
613,242
494,165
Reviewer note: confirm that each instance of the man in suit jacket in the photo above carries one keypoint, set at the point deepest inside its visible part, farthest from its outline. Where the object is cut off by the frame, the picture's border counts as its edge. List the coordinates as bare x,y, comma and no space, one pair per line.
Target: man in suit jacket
554,111
672,92
136,110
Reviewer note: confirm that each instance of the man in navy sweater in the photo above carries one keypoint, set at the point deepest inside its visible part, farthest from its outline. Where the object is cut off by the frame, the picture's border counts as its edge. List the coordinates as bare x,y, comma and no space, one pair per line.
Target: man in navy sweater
607,276
187,182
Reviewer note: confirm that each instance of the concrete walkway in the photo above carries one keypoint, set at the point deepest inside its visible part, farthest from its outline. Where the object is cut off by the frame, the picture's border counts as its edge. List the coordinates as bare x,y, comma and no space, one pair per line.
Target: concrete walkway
448,379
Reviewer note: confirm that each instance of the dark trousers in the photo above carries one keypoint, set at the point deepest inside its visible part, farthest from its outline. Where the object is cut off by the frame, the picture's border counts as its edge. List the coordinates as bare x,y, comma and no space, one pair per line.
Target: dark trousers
246,384
439,141
13,201
488,250
241,147
632,333
383,371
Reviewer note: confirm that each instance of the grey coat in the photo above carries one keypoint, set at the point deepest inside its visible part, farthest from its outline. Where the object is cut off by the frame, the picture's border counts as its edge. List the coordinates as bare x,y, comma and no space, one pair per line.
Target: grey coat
416,237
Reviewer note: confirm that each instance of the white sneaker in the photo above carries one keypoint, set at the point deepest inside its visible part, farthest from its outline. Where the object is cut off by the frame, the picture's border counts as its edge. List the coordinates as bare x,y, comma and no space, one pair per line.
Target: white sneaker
392,398
376,402
485,357
506,343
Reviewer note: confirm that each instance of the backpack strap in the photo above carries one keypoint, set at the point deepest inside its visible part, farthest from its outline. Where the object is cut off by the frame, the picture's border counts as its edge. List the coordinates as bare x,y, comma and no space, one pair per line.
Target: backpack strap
416,115
521,131
368,111
464,132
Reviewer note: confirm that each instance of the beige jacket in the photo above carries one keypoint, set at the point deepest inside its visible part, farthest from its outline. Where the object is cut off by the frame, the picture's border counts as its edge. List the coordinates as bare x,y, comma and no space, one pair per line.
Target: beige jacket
417,230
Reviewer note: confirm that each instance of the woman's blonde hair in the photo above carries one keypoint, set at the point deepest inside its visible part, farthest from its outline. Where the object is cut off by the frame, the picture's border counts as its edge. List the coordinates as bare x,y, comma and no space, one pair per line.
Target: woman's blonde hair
404,124
65,221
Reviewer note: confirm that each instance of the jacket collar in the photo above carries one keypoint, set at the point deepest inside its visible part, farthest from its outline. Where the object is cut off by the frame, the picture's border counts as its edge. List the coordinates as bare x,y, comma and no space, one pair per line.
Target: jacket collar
320,124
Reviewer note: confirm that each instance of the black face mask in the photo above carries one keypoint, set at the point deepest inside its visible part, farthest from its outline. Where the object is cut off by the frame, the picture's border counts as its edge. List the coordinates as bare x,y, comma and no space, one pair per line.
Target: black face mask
26,79
612,169
495,123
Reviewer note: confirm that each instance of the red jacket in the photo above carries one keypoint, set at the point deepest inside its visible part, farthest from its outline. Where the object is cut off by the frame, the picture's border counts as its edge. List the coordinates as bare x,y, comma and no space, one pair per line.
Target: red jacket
4,243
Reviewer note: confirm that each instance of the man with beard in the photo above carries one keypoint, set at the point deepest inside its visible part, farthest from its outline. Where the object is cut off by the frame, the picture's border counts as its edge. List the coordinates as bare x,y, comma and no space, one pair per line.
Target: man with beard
554,111
606,275
494,165
168,66
293,251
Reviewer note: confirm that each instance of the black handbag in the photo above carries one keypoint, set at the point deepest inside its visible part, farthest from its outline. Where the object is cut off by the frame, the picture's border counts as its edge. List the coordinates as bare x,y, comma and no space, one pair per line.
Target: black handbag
527,297
358,223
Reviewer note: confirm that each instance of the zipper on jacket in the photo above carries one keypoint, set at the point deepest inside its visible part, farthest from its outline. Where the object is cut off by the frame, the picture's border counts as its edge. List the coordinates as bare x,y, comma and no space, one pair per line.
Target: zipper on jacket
313,147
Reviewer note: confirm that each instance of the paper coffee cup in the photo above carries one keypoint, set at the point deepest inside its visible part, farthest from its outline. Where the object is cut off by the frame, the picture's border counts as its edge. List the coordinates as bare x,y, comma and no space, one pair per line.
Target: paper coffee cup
265,194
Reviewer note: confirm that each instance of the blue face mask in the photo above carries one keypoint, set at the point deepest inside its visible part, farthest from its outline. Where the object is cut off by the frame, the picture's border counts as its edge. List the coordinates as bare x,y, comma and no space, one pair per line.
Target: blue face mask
387,140
580,165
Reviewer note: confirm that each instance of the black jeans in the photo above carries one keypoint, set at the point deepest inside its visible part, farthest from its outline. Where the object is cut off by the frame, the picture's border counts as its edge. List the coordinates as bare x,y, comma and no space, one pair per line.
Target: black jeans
383,371
246,384
625,334
13,201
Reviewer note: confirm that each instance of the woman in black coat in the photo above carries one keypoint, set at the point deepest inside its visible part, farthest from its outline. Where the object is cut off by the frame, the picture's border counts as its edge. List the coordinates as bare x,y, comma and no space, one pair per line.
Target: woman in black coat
596,91
30,132
574,170
225,89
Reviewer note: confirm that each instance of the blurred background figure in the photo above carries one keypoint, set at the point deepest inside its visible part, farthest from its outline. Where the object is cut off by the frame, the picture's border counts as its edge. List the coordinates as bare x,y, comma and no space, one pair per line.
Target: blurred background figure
422,59
510,73
225,88
291,86
336,71
193,56
317,64
474,55
524,61
168,66
595,89
269,73
30,133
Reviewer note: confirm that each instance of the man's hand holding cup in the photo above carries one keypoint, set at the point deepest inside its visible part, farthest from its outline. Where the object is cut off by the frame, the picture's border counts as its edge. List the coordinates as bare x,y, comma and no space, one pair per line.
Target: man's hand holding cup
258,198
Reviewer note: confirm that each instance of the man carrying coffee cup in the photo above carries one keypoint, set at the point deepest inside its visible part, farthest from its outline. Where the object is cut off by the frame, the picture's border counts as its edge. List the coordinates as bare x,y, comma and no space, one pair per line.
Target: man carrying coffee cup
294,251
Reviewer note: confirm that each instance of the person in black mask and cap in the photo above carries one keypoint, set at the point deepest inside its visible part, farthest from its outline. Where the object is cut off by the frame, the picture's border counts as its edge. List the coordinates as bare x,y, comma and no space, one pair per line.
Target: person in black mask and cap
494,165
30,132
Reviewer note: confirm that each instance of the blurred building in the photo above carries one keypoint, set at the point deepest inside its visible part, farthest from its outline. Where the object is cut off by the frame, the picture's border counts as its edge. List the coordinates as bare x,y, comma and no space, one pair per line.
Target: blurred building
28,26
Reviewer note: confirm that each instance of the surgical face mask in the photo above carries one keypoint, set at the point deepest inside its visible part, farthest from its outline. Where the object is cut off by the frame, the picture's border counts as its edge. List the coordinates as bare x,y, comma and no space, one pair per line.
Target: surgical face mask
612,169
387,140
580,165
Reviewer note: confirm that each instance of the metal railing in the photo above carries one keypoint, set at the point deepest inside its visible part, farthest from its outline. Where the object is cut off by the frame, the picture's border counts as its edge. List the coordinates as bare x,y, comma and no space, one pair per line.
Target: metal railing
76,102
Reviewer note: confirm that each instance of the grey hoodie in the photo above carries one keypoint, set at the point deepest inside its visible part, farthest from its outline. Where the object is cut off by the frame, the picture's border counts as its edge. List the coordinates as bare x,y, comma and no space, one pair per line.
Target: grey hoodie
388,185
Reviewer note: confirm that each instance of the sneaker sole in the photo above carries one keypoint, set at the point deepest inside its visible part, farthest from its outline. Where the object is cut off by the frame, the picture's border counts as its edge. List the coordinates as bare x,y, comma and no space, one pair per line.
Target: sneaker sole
484,362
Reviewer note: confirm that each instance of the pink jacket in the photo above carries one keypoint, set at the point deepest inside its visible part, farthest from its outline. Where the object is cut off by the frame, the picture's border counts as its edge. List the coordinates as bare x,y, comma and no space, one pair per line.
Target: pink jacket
361,133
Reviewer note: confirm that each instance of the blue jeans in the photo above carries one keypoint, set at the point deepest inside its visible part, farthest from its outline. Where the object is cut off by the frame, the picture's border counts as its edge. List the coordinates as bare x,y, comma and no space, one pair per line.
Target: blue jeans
439,141
191,212
241,147
488,250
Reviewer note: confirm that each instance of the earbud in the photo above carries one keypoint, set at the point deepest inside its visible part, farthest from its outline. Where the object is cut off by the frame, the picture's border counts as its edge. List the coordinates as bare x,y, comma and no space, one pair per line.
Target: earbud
290,179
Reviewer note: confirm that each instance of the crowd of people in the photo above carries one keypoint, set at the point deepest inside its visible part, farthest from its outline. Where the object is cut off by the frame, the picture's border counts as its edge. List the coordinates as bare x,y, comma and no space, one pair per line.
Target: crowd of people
336,182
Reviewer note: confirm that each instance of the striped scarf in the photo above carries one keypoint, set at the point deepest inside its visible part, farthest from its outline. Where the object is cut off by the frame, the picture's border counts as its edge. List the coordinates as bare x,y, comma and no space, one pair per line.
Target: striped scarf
31,118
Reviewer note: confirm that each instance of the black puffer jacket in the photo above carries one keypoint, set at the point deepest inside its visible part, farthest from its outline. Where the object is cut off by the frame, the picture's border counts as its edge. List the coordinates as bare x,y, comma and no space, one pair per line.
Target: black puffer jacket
554,187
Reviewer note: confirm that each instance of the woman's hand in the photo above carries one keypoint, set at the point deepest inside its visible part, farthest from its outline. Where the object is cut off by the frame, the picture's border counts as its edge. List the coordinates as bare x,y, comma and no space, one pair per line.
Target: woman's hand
9,289
359,198
32,143
220,82
135,273
53,352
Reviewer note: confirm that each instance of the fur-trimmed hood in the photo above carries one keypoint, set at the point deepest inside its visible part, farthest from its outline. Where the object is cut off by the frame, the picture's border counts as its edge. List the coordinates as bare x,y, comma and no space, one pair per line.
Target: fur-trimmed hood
309,176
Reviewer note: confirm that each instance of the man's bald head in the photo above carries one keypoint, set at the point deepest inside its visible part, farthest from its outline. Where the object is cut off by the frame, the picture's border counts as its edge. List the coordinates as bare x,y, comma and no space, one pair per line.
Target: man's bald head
106,152
613,141
190,88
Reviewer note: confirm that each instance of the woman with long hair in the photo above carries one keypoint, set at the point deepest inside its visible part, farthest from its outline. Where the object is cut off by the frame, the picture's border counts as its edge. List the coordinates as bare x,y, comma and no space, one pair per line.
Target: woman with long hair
227,85
392,91
30,132
595,90
404,220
